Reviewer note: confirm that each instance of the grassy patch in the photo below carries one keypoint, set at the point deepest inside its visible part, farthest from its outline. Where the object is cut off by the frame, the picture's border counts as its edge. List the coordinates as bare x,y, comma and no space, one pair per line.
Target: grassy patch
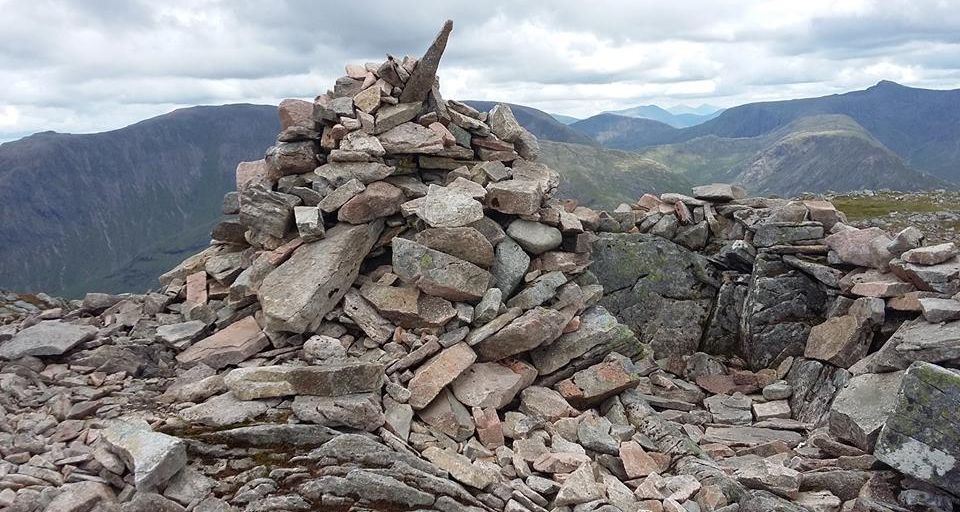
863,207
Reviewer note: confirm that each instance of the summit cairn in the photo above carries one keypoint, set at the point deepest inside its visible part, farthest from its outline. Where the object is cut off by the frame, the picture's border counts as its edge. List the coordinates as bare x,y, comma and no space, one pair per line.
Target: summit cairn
396,314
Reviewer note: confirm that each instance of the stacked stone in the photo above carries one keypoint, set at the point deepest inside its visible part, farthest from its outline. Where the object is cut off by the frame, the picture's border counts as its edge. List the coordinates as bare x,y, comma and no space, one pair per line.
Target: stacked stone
398,315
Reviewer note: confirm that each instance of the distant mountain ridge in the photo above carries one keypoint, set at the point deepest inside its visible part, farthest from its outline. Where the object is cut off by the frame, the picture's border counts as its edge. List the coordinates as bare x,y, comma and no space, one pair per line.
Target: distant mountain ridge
656,113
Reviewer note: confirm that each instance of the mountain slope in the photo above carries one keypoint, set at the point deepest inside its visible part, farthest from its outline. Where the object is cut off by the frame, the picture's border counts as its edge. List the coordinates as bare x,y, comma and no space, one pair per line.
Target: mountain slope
626,133
920,125
540,123
656,113
604,178
811,154
99,211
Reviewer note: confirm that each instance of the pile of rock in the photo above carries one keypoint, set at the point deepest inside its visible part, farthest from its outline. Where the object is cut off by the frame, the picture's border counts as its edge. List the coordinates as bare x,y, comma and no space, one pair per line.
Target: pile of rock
397,315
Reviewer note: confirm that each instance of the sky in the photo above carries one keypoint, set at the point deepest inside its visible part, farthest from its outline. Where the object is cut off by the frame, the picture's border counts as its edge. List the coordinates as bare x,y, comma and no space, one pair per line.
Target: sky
89,66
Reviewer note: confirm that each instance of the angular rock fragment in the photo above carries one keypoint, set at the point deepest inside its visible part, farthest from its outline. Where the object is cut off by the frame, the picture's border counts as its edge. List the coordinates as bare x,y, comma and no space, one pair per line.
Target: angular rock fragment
309,284
235,343
47,338
153,457
437,273
440,370
331,379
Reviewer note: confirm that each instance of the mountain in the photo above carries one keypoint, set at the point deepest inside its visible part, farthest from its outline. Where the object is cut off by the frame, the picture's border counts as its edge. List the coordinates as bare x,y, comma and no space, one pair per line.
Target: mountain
604,178
703,110
103,210
627,133
540,123
655,113
816,153
919,125
567,120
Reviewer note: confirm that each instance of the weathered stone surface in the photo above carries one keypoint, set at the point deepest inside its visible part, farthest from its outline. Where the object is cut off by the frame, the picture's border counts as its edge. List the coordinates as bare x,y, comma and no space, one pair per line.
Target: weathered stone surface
233,344
860,409
509,266
340,195
47,338
436,373
814,384
942,278
446,208
749,436
153,457
493,384
939,310
309,223
931,255
331,379
378,199
465,243
534,237
309,284
361,411
590,387
863,247
719,192
459,467
917,341
82,497
516,197
599,334
437,273
532,329
424,75
780,308
287,158
378,328
580,487
662,291
449,416
840,341
769,475
391,116
267,211
224,410
921,437
545,403
784,233
181,334
542,290
411,138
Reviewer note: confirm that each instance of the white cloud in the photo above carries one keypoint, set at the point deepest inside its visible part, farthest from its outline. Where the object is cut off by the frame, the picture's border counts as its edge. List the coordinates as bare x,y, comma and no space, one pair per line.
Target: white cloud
71,65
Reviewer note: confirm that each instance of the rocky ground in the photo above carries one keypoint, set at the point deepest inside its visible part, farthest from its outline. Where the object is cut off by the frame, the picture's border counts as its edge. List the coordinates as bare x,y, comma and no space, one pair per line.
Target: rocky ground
396,314
935,213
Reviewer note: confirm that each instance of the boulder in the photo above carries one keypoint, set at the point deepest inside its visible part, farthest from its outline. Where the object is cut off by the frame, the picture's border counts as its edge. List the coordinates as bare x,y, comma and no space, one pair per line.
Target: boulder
437,372
378,199
231,345
331,379
446,208
153,457
931,255
47,338
840,341
532,329
309,284
493,384
719,192
862,247
534,237
860,409
361,411
438,273
921,436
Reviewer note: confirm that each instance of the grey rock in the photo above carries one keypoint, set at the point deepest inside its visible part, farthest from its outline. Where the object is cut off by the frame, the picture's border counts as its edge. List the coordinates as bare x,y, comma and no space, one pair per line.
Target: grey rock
509,266
411,138
488,307
719,192
921,437
917,341
331,379
939,310
153,457
814,385
47,338
863,247
446,208
424,75
309,284
860,409
532,329
224,410
309,222
931,255
542,290
267,211
785,233
180,335
534,237
437,273
361,411
391,116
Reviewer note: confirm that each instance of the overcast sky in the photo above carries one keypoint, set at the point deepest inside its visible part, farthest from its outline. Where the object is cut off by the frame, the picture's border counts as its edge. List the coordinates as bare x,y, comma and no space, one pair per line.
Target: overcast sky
86,66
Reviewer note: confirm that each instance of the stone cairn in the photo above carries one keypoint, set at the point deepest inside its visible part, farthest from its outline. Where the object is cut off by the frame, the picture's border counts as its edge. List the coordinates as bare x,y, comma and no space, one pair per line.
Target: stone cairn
397,315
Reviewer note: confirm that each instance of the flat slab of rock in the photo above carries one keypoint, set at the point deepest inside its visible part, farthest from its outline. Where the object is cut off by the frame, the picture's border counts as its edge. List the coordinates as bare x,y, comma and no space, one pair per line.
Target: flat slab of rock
749,436
309,284
719,192
48,338
493,384
153,457
863,247
939,310
534,237
231,345
332,379
931,255
438,273
595,384
532,329
224,410
361,411
918,341
921,437
840,341
860,409
437,372
459,467
443,207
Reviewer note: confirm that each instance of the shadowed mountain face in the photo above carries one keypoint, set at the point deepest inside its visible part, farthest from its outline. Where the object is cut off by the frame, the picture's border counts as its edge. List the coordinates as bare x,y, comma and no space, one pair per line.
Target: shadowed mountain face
101,211
656,113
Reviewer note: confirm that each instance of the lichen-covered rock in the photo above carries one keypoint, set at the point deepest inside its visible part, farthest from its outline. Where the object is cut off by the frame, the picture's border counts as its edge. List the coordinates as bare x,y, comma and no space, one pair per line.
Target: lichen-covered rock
921,437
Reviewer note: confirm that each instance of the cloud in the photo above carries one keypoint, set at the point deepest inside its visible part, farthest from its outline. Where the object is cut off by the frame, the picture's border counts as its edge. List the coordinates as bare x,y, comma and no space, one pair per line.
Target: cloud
91,66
